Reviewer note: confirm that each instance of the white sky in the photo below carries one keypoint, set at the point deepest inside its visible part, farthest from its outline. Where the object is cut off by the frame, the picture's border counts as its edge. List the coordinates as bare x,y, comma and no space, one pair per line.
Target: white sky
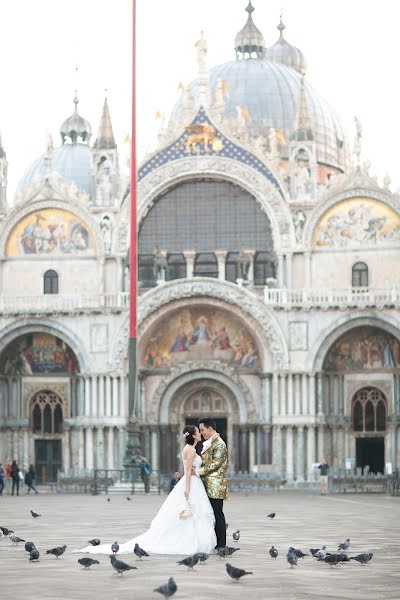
351,48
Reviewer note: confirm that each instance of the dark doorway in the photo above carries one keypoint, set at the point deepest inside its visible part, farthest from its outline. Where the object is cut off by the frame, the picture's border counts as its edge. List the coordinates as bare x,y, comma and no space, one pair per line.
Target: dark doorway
47,460
370,452
222,426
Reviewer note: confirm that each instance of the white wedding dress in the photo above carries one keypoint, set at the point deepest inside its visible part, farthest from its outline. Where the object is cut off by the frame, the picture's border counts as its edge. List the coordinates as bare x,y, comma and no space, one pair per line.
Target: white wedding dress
168,534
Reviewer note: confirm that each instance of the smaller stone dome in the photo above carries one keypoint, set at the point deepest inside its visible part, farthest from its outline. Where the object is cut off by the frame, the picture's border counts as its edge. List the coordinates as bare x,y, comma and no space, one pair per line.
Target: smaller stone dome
249,42
284,53
75,128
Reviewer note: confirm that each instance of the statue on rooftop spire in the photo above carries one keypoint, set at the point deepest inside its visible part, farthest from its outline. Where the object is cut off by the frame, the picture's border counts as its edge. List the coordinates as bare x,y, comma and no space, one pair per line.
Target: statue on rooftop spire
201,52
357,140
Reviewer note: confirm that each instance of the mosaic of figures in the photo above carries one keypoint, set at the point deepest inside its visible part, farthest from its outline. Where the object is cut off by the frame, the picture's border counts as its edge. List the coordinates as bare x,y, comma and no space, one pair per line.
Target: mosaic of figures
50,231
201,333
38,353
357,222
363,348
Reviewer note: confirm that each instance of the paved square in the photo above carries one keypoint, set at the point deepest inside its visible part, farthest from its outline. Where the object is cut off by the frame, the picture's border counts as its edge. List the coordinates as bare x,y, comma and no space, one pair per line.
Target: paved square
303,520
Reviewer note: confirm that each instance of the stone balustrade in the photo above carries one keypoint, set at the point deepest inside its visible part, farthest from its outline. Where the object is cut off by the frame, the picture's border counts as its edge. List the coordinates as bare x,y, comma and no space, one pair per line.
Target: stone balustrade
63,303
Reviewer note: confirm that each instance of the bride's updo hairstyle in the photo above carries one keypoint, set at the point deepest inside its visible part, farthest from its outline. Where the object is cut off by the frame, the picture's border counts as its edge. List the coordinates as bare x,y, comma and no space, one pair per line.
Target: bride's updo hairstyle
188,433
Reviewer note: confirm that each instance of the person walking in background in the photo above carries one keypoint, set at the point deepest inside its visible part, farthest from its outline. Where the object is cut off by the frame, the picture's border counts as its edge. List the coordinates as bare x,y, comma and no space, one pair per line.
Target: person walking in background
7,482
174,481
15,477
30,477
2,475
324,468
145,472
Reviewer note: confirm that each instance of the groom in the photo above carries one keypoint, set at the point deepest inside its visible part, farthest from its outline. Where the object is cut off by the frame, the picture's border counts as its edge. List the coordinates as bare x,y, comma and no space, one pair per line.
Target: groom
213,474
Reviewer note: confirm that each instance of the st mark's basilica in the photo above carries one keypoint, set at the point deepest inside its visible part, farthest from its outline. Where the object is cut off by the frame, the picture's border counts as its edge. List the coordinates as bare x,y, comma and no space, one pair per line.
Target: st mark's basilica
268,282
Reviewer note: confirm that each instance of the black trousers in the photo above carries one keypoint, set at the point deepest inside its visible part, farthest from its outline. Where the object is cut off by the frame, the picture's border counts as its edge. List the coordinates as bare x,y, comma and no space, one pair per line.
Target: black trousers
220,528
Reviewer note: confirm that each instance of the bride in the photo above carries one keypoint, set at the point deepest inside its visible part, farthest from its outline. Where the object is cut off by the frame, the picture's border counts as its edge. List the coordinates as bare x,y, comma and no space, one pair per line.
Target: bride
168,533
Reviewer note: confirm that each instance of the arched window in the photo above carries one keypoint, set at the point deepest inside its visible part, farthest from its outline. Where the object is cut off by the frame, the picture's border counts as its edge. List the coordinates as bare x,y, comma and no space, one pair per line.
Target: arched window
47,413
50,282
359,276
369,411
146,274
206,265
264,267
176,267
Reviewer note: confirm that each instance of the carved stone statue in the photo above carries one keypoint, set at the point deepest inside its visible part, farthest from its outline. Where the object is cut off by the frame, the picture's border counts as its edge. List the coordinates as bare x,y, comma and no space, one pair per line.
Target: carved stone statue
159,264
302,180
106,232
243,263
103,181
299,219
201,53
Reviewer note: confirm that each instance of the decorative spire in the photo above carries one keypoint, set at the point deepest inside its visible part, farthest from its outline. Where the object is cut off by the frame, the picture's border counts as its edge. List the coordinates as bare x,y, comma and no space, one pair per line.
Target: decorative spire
281,27
249,42
284,53
357,141
303,131
105,137
75,129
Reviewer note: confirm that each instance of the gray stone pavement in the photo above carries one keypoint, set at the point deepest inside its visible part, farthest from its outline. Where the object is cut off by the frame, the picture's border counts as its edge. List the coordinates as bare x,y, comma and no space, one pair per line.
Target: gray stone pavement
303,520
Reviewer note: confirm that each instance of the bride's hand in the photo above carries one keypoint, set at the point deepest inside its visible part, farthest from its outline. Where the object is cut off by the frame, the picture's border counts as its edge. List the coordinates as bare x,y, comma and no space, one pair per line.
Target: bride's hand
187,494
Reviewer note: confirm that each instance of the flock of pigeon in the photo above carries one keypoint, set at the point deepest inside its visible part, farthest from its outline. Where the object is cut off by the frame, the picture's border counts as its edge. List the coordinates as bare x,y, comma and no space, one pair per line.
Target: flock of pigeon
169,588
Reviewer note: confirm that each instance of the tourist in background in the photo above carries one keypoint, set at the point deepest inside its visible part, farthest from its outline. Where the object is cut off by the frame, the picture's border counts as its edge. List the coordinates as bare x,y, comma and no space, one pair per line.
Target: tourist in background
145,472
324,468
15,477
30,478
174,480
2,475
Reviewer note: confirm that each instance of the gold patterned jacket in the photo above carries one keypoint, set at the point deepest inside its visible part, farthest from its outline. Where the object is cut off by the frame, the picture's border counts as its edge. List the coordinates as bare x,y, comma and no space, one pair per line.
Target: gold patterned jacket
213,469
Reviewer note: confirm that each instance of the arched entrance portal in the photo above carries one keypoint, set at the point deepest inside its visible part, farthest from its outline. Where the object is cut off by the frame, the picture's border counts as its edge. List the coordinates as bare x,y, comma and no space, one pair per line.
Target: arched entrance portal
208,402
46,416
369,409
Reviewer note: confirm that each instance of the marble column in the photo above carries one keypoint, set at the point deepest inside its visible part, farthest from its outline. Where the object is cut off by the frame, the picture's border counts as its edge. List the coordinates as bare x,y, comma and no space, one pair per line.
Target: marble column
110,448
310,452
94,403
251,450
190,256
81,449
300,454
304,394
154,449
321,443
89,447
311,396
123,408
87,397
66,451
251,255
320,391
290,394
100,396
114,396
289,270
108,396
340,448
297,394
277,447
282,394
121,446
266,399
289,453
275,394
279,274
28,457
100,448
221,259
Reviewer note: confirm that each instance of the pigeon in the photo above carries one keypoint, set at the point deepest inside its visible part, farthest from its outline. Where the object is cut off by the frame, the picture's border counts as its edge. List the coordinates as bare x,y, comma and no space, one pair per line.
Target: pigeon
34,555
314,551
6,531
2,535
58,551
292,559
203,557
29,546
271,515
87,562
94,542
345,545
119,565
332,559
231,550
236,573
190,561
168,589
129,499
115,548
34,514
362,558
342,556
139,551
15,538
298,553
223,552
321,553
236,536
273,552
108,499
